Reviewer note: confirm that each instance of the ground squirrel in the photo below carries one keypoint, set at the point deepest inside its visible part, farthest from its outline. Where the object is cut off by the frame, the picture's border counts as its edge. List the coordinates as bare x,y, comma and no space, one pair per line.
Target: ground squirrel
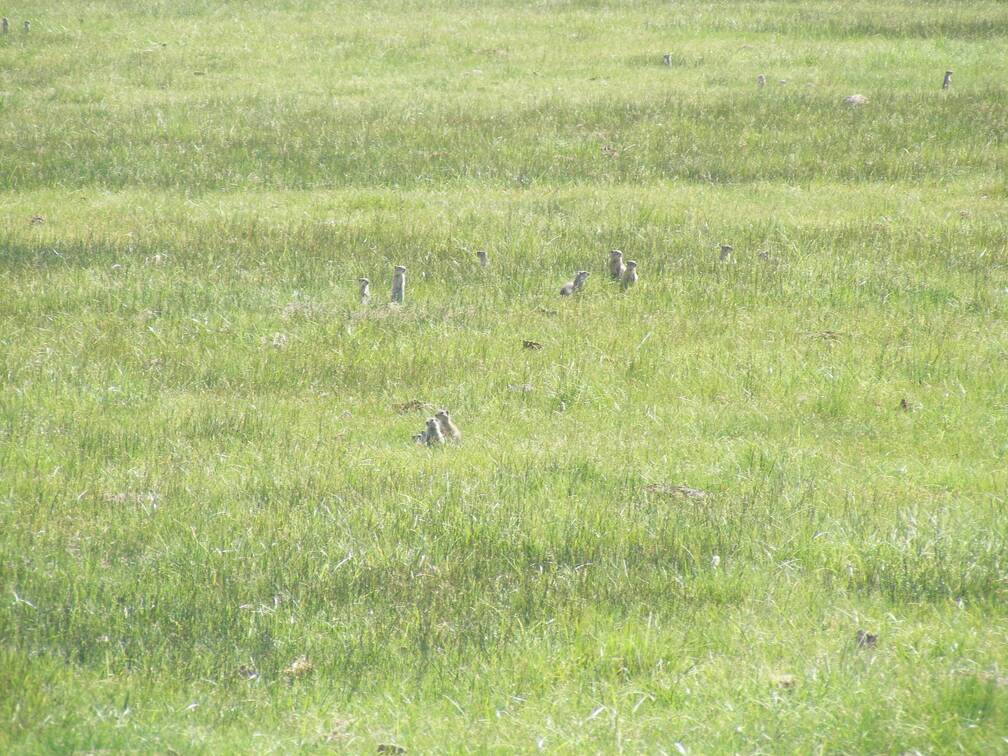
399,284
433,434
576,285
616,266
4,25
630,274
726,251
447,427
482,255
365,290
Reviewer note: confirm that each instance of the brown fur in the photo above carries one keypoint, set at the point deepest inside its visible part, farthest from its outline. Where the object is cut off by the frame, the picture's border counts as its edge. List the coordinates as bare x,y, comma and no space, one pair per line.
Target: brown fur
433,434
629,275
399,284
576,285
448,429
616,266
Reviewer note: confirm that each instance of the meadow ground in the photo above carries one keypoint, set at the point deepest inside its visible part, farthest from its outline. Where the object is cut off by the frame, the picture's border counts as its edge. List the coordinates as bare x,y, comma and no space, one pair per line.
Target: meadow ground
215,534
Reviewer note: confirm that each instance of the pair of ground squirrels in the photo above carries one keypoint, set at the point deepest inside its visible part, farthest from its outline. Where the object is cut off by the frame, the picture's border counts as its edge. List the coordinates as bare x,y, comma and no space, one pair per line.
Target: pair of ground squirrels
5,25
438,430
398,286
626,273
574,285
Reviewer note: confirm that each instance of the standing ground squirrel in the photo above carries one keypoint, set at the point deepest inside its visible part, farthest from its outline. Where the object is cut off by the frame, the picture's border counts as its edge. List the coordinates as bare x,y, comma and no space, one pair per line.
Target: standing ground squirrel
630,274
4,25
448,428
433,434
616,266
365,290
576,285
482,255
399,284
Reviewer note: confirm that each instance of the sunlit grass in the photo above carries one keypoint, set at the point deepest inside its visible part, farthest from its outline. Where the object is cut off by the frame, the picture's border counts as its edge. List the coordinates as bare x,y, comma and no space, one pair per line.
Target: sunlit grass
665,526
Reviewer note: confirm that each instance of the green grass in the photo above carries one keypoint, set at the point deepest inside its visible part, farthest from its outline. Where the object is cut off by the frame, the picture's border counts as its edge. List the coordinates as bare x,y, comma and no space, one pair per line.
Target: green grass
204,475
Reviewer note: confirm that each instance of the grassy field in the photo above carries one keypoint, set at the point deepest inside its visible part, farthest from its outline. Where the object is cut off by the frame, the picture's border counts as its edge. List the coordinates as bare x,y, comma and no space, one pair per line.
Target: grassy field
215,533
